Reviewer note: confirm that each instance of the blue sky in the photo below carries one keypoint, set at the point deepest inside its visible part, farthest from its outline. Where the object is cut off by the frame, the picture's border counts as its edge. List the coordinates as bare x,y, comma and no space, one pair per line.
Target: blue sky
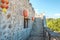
50,7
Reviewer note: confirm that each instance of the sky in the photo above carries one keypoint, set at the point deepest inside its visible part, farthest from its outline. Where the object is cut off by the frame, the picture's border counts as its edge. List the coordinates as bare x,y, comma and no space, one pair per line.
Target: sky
51,8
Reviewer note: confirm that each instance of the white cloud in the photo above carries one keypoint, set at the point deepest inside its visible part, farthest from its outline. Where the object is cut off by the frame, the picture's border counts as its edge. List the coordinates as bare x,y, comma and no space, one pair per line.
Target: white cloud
57,14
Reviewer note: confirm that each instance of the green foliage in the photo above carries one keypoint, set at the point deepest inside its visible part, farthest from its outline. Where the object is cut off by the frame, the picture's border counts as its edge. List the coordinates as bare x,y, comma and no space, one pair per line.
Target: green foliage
54,24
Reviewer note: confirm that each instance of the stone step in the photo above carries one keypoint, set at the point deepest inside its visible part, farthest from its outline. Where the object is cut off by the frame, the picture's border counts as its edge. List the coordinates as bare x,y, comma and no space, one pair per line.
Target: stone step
36,38
38,34
37,30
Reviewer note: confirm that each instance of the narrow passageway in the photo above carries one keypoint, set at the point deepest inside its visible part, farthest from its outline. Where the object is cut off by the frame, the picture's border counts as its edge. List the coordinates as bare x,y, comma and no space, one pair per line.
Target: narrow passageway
37,30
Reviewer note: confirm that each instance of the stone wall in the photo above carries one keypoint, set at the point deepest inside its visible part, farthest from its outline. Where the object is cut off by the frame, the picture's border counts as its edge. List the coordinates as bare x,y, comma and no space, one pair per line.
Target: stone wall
12,23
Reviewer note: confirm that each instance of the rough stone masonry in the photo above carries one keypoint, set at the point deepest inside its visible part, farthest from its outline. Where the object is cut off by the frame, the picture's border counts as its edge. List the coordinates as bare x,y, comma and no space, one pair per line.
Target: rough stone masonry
12,23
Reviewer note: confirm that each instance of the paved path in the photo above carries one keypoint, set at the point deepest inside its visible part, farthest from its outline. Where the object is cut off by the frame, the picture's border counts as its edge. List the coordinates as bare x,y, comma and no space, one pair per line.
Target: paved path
37,30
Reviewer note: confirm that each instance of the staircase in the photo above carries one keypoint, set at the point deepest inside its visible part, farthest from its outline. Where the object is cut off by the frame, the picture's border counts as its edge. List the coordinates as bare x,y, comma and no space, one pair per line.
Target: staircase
37,30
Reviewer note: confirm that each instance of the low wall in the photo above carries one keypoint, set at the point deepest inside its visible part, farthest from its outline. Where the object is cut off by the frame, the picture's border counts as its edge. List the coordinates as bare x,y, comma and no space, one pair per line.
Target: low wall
48,34
55,38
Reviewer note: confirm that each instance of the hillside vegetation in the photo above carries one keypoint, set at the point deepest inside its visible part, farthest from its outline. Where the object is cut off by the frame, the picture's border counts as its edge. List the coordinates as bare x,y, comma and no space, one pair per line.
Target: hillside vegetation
54,24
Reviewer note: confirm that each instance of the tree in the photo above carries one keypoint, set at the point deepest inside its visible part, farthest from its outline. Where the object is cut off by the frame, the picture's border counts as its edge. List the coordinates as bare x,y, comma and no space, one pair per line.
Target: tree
53,24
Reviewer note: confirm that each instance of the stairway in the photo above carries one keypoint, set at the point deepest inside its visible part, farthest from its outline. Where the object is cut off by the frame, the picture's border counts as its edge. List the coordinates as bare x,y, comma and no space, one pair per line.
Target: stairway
37,30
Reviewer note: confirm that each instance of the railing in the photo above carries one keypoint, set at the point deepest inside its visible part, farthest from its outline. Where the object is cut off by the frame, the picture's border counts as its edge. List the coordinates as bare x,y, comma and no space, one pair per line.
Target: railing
48,34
